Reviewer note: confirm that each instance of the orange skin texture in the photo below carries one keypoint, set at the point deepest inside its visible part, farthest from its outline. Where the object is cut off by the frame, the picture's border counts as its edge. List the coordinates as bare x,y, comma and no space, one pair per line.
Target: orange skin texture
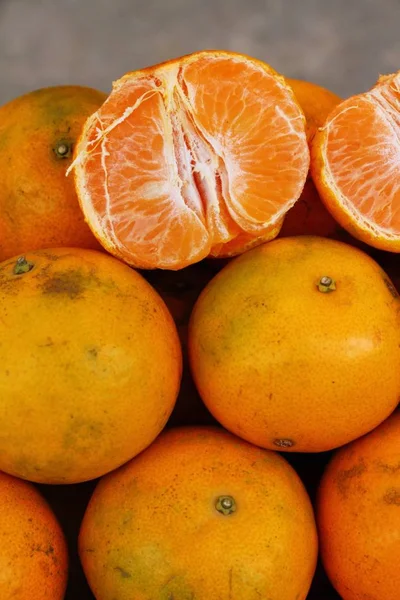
97,349
309,216
315,101
38,203
152,532
286,366
180,290
359,515
33,554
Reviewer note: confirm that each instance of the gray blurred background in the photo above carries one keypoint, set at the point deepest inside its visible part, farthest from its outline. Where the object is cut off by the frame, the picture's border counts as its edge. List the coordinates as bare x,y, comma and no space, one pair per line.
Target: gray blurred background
341,44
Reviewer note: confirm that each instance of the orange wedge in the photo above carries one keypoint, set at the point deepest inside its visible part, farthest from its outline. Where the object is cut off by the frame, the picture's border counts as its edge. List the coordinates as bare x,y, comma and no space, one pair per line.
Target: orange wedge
355,164
191,155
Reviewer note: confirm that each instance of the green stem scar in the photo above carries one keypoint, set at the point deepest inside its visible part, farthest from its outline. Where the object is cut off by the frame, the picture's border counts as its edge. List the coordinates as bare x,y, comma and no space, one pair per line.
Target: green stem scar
226,505
326,284
22,266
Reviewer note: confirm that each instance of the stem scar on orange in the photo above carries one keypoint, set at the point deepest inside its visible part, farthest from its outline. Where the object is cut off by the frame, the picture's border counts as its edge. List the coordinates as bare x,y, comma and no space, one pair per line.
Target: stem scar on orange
90,365
295,345
186,157
200,514
38,204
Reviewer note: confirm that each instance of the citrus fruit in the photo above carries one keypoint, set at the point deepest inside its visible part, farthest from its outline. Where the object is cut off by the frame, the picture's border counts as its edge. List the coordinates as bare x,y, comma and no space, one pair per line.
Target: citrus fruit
309,216
200,514
90,365
295,345
180,290
359,515
315,101
38,204
354,164
188,155
33,552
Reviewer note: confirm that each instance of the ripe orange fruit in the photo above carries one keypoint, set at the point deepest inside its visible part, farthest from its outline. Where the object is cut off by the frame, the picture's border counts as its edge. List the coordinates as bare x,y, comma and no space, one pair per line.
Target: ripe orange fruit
295,345
316,103
309,216
180,290
33,552
354,164
38,204
189,155
90,365
359,515
200,514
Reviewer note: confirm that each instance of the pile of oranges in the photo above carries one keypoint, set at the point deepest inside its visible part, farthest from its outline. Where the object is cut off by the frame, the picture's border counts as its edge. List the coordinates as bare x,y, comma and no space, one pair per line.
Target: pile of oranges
200,330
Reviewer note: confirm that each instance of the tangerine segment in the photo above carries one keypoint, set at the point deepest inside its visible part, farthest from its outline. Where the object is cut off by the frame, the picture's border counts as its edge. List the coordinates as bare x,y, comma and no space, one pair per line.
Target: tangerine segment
187,155
355,164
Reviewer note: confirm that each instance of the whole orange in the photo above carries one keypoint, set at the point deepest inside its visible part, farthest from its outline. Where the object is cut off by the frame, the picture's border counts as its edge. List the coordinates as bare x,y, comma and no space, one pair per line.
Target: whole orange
90,365
33,551
180,290
359,515
200,514
315,101
38,204
309,216
295,345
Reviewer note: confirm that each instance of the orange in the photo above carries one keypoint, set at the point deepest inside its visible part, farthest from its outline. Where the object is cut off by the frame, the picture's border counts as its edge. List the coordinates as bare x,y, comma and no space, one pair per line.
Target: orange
200,514
90,365
38,204
183,157
354,164
180,290
359,515
295,345
33,551
309,216
315,101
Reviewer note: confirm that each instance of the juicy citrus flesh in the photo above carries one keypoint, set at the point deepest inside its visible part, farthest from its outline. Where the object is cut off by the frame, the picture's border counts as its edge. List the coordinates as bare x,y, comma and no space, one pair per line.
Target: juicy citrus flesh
287,366
359,515
90,365
152,529
188,155
354,164
38,204
33,553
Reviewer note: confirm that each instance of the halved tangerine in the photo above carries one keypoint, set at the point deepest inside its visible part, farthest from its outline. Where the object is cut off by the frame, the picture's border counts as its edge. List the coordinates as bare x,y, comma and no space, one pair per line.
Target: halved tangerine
355,164
189,155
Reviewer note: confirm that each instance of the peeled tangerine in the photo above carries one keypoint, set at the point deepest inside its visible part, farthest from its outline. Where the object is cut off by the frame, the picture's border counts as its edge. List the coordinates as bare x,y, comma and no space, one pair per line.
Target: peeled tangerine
355,159
200,514
90,365
295,345
201,155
